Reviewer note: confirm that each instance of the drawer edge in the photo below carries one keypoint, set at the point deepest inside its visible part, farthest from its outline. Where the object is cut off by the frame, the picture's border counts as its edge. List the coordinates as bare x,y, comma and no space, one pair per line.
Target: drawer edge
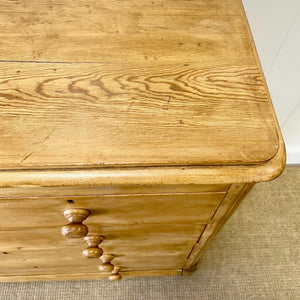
88,276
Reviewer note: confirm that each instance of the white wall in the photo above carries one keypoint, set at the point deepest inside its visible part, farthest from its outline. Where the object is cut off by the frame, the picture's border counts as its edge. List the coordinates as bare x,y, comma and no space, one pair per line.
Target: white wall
275,26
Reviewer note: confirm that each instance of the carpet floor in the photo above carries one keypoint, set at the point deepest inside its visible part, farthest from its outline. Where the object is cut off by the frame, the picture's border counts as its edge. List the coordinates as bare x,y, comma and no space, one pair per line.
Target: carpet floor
255,256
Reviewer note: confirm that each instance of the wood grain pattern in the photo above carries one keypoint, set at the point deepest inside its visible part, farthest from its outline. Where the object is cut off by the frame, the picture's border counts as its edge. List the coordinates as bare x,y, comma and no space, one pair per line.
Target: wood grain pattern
137,247
209,107
235,195
153,116
111,209
60,262
118,238
107,189
119,178
114,31
87,276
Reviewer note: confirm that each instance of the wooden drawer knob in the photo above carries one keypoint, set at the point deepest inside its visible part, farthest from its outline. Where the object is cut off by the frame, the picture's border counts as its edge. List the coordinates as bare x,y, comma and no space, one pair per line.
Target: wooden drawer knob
115,274
115,277
106,265
75,228
76,215
93,250
74,231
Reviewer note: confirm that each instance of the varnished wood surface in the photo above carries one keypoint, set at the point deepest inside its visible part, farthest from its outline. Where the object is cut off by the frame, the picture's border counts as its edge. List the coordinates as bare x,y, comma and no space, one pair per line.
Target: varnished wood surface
58,262
120,178
48,262
127,238
108,189
112,209
140,83
133,244
235,195
26,251
87,276
147,32
152,115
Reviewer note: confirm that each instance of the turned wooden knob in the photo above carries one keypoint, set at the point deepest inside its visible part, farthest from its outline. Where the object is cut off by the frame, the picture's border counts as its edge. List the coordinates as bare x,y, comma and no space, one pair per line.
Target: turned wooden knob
75,228
115,274
93,250
74,231
76,215
115,277
106,265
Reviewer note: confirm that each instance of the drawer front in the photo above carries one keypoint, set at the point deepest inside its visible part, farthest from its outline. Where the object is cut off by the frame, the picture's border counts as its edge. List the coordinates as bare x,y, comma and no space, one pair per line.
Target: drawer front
137,247
111,209
144,232
111,190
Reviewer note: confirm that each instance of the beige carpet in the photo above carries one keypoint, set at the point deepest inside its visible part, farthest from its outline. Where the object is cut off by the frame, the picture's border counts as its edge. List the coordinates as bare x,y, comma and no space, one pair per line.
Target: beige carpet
255,256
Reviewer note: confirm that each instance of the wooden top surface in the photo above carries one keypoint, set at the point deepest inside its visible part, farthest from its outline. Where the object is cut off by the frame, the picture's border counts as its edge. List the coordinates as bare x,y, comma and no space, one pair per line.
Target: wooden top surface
131,83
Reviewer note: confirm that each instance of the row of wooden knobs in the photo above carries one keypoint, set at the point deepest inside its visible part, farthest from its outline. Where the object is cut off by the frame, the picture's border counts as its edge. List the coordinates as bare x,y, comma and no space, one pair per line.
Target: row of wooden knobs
75,229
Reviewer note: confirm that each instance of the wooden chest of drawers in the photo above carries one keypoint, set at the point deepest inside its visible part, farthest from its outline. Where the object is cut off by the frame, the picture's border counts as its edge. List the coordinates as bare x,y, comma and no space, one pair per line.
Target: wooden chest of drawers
130,132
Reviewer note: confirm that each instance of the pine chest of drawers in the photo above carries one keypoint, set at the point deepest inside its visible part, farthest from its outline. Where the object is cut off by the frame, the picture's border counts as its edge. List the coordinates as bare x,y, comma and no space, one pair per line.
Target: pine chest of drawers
129,133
